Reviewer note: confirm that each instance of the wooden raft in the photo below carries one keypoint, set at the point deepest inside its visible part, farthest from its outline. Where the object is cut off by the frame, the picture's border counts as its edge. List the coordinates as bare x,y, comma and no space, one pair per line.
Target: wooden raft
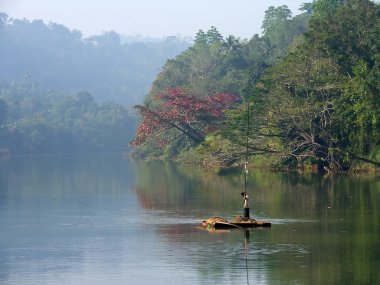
237,222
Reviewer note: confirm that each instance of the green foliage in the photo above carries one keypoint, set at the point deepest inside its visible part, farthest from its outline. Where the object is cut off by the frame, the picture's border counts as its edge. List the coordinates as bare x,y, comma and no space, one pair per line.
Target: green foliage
323,98
360,113
42,121
301,95
309,90
323,8
280,30
198,67
214,65
275,18
349,35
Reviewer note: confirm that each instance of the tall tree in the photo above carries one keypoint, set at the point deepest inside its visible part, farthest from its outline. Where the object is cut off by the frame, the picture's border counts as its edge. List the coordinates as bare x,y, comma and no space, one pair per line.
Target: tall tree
274,18
321,102
181,113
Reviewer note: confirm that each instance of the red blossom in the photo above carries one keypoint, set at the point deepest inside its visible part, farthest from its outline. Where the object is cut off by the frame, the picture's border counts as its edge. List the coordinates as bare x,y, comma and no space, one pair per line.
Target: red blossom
184,110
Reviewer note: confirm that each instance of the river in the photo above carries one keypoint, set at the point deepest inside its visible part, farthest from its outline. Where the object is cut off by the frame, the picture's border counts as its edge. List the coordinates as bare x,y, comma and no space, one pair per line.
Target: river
81,219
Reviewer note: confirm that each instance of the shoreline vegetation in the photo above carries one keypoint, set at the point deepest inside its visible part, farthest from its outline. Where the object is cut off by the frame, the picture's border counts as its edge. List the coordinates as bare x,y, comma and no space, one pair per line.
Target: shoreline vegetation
303,96
63,93
262,163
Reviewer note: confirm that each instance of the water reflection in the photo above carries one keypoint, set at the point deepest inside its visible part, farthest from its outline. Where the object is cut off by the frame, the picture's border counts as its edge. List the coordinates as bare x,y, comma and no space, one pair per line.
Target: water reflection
101,220
246,241
320,223
233,256
276,195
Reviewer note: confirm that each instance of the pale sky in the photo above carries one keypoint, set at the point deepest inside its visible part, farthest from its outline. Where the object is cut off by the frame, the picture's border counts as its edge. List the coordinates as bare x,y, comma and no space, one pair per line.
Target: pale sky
154,18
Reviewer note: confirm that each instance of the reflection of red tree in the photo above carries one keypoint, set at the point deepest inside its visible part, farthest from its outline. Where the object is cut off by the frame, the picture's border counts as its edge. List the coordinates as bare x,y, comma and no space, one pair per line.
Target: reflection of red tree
145,201
152,200
181,110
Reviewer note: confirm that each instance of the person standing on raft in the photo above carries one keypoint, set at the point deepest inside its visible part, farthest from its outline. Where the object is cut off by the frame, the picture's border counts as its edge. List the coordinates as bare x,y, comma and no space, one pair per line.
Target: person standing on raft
245,204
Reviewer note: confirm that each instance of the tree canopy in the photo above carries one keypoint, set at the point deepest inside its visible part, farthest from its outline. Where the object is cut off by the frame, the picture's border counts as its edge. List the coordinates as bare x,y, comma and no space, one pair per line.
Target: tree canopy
310,83
182,113
34,120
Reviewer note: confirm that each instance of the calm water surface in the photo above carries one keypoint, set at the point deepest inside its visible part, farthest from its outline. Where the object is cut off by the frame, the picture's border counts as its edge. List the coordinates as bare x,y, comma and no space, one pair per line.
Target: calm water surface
103,220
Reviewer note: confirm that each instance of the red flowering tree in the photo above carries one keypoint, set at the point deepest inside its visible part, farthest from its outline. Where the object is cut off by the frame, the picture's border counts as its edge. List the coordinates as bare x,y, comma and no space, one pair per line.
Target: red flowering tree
181,113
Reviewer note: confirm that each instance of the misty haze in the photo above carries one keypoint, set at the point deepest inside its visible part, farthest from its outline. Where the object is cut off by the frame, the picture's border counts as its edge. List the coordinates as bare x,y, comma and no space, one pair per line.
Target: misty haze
189,142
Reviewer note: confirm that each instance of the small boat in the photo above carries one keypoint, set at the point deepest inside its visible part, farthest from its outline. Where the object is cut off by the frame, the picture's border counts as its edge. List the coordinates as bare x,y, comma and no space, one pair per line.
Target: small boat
238,222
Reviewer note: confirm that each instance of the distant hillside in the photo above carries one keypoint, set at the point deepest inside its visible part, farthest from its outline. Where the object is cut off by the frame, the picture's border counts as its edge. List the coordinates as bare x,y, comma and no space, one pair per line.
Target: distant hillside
108,66
38,121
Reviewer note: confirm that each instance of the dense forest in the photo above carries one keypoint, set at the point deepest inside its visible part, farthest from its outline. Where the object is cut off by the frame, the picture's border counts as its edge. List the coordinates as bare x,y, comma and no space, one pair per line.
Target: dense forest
106,65
304,93
35,120
59,92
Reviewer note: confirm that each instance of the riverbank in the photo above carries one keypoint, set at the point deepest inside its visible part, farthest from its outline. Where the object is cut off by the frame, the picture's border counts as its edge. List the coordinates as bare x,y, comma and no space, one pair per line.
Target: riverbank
270,163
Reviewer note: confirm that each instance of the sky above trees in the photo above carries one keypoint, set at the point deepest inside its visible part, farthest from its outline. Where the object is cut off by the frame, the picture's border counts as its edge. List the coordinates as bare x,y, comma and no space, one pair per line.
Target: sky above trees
154,18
